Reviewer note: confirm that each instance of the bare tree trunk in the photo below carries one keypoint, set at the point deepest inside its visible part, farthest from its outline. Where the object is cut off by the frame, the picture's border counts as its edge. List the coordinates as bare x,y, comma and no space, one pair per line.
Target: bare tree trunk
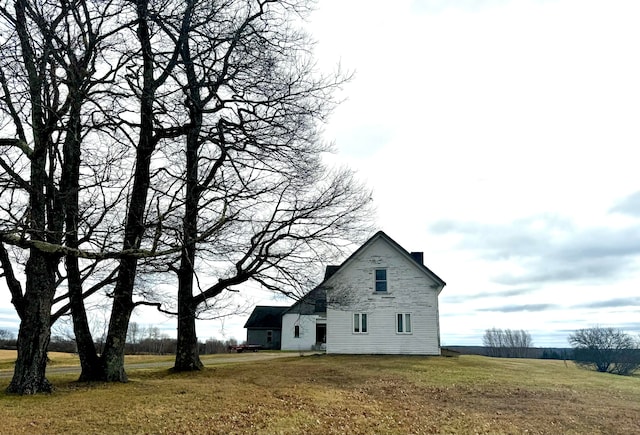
187,355
33,337
253,137
112,369
113,354
89,361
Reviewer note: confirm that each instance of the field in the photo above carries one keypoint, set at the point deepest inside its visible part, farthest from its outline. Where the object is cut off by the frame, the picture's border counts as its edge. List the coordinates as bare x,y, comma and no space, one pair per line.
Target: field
336,394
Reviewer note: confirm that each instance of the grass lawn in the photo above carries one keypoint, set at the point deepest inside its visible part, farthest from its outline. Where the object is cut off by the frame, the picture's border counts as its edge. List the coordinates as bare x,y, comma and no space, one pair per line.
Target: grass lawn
339,394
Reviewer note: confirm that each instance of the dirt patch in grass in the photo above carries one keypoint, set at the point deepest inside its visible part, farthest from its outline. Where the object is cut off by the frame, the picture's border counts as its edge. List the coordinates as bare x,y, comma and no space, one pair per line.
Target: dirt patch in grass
341,394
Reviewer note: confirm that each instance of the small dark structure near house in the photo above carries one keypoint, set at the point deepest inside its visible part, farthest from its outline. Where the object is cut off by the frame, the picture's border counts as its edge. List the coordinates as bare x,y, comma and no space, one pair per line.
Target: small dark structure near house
264,326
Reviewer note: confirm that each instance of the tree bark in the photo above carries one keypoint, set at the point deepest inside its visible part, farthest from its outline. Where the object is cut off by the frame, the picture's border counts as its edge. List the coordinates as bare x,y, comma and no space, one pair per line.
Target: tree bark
34,333
33,337
89,361
187,352
113,354
187,355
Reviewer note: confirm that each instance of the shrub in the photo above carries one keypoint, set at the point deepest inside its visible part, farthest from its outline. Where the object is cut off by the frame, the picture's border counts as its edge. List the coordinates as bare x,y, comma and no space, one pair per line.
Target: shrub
606,350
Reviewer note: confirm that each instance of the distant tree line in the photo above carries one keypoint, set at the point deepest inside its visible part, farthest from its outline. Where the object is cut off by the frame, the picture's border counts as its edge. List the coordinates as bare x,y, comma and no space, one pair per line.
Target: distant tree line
557,353
144,340
150,340
167,346
7,339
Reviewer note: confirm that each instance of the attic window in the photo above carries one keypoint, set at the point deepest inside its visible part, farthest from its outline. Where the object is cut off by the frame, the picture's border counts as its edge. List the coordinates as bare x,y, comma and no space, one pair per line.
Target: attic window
381,280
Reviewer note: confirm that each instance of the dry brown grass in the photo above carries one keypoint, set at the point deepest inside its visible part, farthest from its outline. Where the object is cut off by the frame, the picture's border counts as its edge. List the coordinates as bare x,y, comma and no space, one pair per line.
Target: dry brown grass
340,394
8,358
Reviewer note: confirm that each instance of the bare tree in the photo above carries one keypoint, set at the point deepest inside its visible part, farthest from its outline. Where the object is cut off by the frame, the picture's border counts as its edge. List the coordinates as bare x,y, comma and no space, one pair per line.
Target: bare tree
48,51
158,56
507,343
133,333
160,136
61,84
606,350
258,203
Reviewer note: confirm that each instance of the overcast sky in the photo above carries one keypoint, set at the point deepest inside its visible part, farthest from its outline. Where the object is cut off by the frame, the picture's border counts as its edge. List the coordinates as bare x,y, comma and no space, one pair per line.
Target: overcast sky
502,139
499,137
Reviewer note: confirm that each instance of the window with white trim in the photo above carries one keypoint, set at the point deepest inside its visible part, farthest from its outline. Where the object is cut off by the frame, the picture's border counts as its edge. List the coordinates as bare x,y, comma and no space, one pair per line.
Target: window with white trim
381,280
359,323
403,323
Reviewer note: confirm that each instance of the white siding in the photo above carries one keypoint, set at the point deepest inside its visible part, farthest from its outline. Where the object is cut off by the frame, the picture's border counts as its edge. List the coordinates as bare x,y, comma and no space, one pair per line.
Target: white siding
410,290
307,324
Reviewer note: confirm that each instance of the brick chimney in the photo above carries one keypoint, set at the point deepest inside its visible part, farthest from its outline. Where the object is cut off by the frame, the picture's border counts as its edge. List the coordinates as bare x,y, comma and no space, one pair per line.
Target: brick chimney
419,257
330,270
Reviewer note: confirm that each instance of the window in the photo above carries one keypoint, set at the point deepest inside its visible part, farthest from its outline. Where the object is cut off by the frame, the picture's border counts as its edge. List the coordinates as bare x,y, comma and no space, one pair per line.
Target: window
359,323
403,323
269,336
296,331
381,280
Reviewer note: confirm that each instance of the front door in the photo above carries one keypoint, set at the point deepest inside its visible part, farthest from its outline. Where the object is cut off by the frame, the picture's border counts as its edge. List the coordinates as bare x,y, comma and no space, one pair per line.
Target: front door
321,333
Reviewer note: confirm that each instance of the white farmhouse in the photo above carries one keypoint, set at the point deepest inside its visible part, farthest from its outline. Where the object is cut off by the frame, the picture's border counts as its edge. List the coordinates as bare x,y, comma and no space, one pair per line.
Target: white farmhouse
381,300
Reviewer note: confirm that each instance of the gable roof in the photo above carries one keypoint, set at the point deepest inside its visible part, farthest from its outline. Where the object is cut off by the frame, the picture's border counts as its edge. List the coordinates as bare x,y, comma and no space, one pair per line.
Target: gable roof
307,302
266,317
409,256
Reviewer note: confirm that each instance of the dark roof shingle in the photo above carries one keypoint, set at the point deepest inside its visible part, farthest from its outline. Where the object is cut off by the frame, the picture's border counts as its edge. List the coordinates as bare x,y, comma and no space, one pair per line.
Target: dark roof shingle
266,317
